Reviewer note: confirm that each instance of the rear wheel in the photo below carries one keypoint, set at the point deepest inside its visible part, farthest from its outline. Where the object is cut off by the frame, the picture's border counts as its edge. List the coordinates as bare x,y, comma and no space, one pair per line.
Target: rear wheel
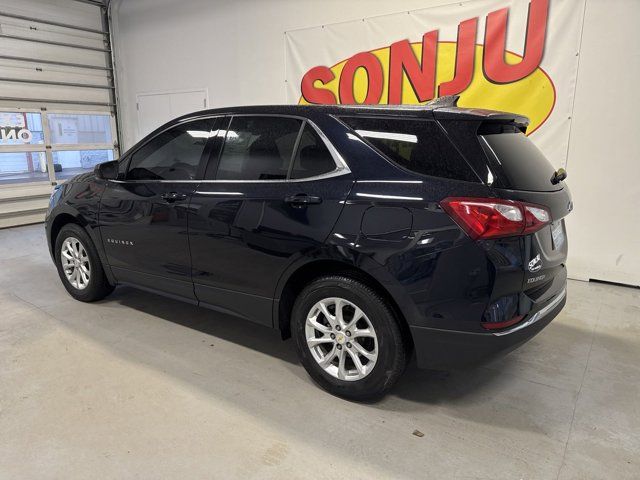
79,265
348,338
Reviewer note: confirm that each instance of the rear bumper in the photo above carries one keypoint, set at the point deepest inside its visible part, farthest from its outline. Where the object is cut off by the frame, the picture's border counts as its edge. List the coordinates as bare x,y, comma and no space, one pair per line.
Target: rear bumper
443,349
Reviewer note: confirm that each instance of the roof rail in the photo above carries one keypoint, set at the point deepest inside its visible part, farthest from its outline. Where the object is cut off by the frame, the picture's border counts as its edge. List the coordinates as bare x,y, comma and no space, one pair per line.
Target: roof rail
446,101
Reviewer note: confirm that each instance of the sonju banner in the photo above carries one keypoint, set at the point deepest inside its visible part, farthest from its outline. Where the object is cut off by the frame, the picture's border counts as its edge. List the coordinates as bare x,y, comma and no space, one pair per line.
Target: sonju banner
518,56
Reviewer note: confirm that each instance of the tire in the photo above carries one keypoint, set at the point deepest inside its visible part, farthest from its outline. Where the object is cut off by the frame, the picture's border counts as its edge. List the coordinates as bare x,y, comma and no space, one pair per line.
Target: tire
91,284
382,356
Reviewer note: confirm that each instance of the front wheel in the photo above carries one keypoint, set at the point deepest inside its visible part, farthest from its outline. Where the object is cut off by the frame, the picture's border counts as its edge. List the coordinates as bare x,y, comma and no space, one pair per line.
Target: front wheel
348,338
79,265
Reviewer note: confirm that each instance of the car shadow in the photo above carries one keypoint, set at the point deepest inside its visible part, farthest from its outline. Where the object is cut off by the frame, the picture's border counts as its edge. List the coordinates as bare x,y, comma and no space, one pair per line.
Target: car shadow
210,322
418,386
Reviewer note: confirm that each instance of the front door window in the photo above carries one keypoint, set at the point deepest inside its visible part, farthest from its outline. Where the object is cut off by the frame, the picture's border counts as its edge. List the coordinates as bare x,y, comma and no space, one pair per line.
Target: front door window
172,155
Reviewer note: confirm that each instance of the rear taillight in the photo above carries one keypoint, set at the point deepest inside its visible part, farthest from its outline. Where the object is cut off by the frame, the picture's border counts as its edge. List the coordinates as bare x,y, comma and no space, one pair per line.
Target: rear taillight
493,217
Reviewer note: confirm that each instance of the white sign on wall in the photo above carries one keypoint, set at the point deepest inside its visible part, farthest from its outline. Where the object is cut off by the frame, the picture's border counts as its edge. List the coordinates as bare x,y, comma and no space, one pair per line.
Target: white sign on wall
64,130
511,55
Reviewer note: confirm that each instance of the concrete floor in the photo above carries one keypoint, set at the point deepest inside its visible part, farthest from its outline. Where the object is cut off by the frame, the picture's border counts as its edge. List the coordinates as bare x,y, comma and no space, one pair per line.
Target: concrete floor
139,386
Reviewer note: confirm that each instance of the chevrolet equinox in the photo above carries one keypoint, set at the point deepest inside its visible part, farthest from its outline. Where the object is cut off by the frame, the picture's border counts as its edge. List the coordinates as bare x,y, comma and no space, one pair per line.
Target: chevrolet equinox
367,233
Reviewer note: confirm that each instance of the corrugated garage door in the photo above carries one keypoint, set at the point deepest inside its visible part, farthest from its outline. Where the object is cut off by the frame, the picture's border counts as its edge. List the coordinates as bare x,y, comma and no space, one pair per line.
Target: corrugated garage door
57,100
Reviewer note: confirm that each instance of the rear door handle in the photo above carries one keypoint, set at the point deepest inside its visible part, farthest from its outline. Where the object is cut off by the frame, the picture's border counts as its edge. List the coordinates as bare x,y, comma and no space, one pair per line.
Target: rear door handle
302,199
171,197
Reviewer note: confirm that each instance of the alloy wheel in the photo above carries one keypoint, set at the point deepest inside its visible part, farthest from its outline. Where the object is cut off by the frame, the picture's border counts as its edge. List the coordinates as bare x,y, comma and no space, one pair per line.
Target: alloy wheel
341,339
75,263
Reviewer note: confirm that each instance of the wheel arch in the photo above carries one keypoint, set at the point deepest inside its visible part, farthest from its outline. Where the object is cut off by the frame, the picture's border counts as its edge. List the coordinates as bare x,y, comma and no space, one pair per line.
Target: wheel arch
309,271
60,221
68,216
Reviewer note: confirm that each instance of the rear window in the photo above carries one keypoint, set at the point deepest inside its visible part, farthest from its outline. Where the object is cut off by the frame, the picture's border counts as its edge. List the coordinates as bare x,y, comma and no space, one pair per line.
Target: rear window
520,161
417,145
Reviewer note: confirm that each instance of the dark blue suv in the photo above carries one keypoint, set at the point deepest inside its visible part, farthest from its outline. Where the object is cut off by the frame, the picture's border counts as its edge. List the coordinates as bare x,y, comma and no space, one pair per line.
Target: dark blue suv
365,232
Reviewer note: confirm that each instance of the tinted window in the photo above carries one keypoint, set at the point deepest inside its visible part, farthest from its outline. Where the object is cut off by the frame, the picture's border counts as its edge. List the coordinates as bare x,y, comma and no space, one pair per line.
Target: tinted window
520,161
172,155
258,148
417,145
313,157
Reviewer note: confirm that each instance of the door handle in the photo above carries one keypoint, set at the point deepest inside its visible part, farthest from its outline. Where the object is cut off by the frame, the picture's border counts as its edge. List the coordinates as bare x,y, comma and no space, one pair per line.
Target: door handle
171,197
302,199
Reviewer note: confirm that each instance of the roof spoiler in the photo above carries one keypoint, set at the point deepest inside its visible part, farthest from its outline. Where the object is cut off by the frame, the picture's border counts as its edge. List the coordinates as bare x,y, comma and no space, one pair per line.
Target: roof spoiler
445,101
450,111
442,105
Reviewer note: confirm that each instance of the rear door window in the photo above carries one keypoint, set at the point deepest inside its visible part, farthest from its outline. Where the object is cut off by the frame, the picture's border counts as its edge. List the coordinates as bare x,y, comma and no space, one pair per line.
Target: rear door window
258,148
417,145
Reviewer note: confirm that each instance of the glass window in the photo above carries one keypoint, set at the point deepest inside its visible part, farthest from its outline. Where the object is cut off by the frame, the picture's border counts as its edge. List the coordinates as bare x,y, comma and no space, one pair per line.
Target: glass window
313,157
21,167
520,161
73,128
67,164
19,128
417,145
90,134
258,148
172,155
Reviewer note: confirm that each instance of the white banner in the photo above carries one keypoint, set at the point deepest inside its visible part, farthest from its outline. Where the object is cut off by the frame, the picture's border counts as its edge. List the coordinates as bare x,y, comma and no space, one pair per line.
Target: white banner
511,55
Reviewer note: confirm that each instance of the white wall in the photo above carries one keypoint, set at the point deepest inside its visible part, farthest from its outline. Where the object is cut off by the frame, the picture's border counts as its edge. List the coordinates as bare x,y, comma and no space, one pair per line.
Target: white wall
234,48
236,51
604,148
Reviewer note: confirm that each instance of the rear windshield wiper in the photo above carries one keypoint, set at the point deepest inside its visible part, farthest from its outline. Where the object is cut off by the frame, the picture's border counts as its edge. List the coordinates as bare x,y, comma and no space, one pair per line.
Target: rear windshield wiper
558,176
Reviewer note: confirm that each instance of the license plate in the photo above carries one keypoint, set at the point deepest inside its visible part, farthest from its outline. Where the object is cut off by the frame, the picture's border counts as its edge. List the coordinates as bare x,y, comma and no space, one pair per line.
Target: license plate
557,234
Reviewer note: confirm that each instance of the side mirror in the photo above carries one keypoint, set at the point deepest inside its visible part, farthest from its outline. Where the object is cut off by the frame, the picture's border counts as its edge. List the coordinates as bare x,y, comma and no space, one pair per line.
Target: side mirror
107,170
